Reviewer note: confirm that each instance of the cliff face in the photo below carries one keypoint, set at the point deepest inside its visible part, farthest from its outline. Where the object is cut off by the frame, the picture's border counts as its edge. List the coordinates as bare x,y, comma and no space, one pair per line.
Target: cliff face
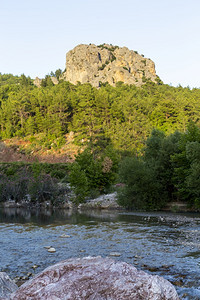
107,63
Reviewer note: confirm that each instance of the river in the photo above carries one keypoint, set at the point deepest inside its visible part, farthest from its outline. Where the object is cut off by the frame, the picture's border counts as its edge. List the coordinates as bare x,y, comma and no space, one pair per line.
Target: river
165,244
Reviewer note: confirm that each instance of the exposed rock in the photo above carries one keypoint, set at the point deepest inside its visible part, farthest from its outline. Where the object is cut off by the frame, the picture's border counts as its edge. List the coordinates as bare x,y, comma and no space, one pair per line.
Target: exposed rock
115,254
65,235
95,278
108,201
37,81
7,286
107,63
51,250
54,80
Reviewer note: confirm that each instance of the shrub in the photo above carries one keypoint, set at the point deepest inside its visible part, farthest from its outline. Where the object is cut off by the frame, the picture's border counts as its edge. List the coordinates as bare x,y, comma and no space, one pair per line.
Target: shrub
102,67
15,187
125,68
93,172
141,190
79,183
43,188
29,181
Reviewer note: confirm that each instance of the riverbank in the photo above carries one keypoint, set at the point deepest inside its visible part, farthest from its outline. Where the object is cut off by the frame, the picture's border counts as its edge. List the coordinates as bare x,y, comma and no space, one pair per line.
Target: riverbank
103,202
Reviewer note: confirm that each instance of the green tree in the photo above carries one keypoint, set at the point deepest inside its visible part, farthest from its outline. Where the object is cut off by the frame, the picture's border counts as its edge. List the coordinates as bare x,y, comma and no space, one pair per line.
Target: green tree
141,190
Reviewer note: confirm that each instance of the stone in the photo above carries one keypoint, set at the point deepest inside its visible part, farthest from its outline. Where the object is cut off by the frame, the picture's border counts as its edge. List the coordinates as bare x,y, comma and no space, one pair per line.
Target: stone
95,278
47,247
108,201
51,250
7,286
115,254
107,63
65,236
35,267
37,82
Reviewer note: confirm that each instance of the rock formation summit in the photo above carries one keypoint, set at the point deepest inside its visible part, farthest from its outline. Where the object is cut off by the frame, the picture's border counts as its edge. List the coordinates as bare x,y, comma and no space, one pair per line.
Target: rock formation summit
107,63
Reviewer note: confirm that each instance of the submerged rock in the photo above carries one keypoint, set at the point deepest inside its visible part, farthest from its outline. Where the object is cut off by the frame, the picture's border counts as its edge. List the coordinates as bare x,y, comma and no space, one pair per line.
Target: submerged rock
95,278
7,286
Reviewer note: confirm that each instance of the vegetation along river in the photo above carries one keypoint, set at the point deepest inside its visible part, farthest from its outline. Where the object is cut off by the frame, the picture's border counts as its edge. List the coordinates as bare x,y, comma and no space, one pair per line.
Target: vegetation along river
165,244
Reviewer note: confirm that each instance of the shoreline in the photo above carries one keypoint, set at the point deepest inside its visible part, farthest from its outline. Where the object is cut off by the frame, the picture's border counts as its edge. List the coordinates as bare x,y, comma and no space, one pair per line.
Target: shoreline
103,202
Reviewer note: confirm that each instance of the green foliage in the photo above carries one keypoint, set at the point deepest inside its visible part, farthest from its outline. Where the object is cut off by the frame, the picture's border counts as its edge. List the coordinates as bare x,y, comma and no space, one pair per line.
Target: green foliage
93,172
169,169
14,186
142,190
125,68
148,179
122,116
79,183
102,67
110,48
30,182
6,79
144,61
42,188
187,166
26,81
56,74
125,114
113,57
47,82
57,170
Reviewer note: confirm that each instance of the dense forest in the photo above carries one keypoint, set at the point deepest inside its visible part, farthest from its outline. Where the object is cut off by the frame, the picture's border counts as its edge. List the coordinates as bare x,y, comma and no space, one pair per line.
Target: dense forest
155,127
123,114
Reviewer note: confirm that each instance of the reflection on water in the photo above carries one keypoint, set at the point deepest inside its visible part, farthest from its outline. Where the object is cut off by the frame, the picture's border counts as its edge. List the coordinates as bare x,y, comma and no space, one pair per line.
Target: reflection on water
163,244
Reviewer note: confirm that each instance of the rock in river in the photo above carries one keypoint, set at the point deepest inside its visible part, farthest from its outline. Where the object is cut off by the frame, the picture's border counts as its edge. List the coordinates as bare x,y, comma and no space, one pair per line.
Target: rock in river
115,254
51,250
95,278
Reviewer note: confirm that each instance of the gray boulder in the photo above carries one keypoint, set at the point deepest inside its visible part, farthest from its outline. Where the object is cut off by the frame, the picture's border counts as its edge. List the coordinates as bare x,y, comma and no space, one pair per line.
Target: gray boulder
7,286
95,278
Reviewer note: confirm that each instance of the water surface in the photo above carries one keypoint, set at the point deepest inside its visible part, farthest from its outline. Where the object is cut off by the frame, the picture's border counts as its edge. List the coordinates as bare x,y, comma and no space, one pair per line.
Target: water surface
165,244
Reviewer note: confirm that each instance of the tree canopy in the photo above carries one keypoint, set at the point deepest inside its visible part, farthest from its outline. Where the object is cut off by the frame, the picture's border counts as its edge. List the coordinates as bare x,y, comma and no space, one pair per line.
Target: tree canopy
124,114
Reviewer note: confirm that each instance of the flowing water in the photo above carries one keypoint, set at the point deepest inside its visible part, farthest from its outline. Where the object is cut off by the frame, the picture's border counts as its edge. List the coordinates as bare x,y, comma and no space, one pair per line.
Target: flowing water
165,244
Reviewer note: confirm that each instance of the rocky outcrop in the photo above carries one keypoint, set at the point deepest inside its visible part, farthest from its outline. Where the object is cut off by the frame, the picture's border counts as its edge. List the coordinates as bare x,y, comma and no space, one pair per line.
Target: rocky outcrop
108,201
7,286
107,63
95,278
38,82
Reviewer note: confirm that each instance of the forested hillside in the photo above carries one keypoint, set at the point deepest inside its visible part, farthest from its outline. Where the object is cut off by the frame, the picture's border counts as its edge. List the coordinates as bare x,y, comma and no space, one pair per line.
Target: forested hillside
147,138
123,115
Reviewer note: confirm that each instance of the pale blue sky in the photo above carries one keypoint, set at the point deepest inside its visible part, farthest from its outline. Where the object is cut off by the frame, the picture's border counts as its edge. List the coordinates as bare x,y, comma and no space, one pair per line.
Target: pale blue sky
35,35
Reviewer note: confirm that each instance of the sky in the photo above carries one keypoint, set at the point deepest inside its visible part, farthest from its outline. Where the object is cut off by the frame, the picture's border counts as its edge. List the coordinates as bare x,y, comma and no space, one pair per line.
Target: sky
36,35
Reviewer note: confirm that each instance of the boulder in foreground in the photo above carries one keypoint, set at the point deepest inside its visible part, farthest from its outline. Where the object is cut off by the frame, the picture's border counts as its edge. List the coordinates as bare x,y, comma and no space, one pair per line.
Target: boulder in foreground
7,286
95,278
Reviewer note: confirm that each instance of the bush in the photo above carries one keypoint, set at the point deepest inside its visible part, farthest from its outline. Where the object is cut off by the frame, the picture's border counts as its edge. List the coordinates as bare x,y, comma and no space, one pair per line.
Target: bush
43,188
79,183
93,172
141,190
29,182
149,181
15,187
